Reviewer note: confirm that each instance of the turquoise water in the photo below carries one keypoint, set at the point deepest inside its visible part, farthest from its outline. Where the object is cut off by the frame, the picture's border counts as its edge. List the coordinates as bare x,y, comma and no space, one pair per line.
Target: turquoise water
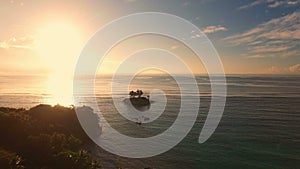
259,128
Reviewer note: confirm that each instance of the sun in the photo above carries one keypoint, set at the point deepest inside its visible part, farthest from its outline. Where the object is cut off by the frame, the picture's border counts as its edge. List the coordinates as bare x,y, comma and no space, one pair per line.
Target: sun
58,42
58,45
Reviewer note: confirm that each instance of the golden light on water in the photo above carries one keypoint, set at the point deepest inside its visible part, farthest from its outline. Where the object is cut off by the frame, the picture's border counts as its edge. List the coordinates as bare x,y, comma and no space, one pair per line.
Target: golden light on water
60,88
58,44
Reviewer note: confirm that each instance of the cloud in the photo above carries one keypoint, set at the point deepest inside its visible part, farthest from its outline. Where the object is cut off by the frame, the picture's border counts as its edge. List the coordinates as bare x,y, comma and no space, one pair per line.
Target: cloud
293,2
257,56
255,3
212,29
292,69
174,47
130,0
264,48
283,3
280,36
283,54
295,68
277,70
271,3
187,3
290,53
25,42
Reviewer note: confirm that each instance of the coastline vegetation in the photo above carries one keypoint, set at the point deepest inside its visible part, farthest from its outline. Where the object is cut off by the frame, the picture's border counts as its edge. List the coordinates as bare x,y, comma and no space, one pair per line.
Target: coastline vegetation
44,137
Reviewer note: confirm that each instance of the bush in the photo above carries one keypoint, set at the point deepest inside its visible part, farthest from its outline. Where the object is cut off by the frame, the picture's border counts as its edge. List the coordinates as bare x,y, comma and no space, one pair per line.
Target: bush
43,137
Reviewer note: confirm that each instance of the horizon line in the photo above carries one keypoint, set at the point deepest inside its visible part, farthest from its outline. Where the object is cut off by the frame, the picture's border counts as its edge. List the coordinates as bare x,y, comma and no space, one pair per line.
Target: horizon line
160,74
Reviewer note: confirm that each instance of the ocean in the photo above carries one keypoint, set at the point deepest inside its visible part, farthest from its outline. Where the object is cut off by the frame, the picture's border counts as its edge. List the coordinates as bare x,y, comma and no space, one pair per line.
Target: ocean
260,126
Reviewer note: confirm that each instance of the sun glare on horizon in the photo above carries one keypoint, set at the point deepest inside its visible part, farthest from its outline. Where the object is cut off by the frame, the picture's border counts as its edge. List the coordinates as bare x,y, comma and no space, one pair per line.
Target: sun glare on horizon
58,44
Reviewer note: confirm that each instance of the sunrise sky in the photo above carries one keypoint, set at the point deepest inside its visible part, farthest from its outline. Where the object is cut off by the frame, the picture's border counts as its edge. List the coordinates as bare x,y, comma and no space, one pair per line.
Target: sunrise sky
251,37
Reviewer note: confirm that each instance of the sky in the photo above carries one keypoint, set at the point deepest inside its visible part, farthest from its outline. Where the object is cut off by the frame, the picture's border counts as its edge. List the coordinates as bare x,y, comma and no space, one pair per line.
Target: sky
251,37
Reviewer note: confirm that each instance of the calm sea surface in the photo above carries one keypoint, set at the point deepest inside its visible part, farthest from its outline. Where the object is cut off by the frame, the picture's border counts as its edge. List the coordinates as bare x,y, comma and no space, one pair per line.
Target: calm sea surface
260,127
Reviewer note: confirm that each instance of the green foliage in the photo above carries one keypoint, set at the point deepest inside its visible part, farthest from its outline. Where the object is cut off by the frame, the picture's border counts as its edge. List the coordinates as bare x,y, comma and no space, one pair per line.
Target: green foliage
43,137
5,157
76,160
11,160
16,162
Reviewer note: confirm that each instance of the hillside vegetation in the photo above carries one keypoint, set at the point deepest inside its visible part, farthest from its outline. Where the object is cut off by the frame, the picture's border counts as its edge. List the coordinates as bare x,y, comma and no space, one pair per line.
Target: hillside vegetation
45,137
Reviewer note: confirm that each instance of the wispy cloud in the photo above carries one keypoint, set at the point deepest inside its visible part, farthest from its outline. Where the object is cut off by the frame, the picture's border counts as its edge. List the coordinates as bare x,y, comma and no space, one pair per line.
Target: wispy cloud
255,3
174,47
187,3
295,68
292,69
25,42
279,36
130,0
271,3
276,4
212,29
257,56
260,49
277,70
